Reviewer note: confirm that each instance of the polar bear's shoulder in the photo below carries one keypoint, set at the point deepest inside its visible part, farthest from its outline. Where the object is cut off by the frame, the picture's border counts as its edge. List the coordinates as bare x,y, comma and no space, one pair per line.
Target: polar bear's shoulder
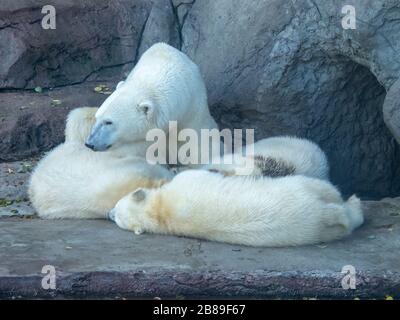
161,50
165,56
160,64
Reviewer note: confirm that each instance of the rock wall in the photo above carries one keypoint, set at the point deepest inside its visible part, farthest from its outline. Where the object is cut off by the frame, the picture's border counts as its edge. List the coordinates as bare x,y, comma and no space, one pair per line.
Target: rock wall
281,67
91,37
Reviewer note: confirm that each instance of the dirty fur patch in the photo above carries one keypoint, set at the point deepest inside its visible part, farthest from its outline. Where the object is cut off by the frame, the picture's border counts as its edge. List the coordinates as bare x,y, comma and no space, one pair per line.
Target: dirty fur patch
272,167
223,172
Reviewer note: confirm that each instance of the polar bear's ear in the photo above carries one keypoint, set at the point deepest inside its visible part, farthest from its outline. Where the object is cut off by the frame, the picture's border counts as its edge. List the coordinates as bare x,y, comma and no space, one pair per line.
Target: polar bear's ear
146,107
139,195
120,84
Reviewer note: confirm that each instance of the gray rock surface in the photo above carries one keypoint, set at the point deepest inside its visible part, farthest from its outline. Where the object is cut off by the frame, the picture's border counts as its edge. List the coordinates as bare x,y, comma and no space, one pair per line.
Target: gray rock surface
91,38
14,177
33,122
391,110
95,259
280,67
285,67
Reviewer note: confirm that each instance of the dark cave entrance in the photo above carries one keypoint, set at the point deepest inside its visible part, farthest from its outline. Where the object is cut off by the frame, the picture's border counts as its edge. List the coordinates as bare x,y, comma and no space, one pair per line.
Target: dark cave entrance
335,102
364,156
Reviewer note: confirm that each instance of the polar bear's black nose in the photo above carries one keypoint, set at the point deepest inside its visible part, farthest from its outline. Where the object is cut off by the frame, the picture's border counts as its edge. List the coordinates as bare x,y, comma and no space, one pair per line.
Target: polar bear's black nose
89,145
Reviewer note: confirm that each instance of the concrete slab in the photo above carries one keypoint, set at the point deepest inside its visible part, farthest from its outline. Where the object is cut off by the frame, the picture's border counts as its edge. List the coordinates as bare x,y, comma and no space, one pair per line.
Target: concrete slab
96,259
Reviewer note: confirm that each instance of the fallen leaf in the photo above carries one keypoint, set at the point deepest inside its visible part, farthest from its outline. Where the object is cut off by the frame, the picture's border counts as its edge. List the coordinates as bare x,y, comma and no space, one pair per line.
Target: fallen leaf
25,167
5,202
56,102
103,89
38,89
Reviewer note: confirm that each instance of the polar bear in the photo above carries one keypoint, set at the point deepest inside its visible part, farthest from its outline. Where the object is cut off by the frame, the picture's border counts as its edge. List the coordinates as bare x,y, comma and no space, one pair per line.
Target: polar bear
164,86
275,157
73,181
286,211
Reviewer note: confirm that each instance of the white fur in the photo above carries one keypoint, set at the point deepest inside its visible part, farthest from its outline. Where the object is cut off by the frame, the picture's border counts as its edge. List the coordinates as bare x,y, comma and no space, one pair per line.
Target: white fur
72,181
292,210
303,155
164,86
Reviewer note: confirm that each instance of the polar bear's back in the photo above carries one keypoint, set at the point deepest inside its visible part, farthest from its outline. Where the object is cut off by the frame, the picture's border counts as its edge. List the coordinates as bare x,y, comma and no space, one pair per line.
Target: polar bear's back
163,57
165,65
75,182
258,211
304,155
61,181
239,191
276,156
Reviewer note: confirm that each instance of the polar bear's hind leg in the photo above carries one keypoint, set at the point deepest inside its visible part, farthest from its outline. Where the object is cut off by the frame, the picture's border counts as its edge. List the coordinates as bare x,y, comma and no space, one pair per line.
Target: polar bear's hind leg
340,220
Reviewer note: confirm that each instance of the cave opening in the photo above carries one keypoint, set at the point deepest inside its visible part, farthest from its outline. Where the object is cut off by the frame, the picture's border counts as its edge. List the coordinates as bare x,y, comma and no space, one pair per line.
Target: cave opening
364,156
334,102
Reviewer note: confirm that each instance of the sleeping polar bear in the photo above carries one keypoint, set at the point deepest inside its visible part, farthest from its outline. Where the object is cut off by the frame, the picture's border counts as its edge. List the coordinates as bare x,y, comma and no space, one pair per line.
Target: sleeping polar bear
164,86
275,157
286,211
72,181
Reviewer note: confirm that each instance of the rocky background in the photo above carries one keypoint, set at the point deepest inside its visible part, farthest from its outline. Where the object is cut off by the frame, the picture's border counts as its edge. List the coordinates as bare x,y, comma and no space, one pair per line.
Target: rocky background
279,66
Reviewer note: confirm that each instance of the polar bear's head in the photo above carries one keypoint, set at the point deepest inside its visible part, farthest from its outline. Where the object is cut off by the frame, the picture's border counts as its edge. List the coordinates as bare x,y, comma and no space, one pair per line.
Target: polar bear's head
130,212
123,118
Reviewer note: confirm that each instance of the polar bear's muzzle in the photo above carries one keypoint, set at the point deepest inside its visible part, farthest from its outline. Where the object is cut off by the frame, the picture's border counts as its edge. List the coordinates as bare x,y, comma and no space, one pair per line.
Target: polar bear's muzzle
100,138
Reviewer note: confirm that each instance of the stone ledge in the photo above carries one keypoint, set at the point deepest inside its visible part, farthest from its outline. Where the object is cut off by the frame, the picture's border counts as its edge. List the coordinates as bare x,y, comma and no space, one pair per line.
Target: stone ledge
217,284
95,259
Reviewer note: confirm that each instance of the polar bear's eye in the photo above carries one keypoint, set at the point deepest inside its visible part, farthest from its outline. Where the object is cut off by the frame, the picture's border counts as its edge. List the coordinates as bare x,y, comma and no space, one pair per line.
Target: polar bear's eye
108,122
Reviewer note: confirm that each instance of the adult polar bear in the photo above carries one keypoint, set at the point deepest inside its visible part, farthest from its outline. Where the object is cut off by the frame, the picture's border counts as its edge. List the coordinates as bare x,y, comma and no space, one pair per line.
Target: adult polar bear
164,86
75,182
